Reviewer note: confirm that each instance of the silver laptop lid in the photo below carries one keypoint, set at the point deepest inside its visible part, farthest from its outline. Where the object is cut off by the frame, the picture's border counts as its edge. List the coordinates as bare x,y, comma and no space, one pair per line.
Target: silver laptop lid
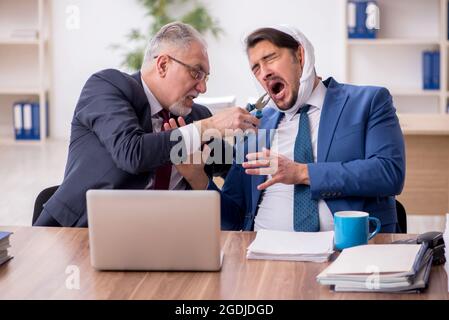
154,230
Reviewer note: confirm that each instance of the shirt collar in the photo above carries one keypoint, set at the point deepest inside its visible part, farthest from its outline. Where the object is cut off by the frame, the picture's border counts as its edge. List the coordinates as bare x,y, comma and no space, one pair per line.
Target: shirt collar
154,104
316,100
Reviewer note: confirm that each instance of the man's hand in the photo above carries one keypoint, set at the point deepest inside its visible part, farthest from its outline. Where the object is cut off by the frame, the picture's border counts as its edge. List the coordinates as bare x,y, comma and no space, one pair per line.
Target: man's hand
193,170
230,119
281,169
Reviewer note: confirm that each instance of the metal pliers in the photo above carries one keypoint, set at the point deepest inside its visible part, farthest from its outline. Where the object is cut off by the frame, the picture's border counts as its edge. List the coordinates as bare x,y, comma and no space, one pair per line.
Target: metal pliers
259,105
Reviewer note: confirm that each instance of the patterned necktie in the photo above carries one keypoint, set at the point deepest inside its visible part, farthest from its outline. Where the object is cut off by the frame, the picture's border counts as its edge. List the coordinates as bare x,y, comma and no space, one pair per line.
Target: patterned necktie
163,173
305,209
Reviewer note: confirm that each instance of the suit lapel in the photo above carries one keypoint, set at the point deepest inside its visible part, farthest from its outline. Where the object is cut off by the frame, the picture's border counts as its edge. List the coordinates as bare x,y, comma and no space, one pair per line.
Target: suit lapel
146,108
333,105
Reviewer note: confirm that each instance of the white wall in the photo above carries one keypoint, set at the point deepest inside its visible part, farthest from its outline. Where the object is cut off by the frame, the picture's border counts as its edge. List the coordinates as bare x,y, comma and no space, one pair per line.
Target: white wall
79,53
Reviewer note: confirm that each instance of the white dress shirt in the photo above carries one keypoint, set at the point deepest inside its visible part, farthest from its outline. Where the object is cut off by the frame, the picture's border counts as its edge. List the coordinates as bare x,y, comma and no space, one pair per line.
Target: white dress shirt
276,207
176,179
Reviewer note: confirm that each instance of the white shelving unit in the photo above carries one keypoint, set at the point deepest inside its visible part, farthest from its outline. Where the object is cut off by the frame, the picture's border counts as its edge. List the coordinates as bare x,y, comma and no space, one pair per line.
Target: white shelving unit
24,61
394,60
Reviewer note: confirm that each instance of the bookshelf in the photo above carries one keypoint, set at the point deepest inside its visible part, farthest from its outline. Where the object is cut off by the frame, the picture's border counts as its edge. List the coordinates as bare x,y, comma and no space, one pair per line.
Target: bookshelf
24,61
394,60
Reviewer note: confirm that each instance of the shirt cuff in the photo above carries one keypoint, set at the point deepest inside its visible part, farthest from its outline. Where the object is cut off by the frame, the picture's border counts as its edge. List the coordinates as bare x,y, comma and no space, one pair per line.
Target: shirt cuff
191,137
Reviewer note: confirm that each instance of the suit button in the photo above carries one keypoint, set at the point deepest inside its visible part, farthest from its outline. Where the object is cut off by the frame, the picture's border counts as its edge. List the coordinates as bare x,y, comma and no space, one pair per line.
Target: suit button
334,194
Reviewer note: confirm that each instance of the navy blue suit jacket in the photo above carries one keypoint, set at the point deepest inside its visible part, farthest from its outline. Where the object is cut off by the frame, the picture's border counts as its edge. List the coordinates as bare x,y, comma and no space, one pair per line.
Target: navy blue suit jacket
112,144
360,164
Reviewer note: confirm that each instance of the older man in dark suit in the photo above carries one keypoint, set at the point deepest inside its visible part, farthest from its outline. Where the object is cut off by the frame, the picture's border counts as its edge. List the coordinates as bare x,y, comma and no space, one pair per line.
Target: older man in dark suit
118,138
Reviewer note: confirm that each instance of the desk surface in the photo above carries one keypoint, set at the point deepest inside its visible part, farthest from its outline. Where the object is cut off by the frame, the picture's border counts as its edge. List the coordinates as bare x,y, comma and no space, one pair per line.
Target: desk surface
42,257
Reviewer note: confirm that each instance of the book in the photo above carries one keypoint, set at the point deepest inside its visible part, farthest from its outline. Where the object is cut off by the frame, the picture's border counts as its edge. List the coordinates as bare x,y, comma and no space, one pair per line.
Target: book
26,120
380,268
18,121
436,70
363,19
292,246
427,70
4,245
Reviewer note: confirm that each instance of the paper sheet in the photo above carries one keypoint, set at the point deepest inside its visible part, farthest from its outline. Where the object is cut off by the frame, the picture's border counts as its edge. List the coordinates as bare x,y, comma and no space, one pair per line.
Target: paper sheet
292,243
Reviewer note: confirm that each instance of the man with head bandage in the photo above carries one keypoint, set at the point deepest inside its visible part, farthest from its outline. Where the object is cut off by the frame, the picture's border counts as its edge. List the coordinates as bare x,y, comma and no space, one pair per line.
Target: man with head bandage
335,147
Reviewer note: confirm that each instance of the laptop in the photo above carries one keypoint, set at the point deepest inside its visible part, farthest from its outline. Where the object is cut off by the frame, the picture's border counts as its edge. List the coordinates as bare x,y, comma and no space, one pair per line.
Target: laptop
154,230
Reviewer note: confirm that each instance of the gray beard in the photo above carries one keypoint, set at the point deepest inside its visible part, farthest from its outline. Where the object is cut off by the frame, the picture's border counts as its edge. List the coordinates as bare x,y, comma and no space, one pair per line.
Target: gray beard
178,109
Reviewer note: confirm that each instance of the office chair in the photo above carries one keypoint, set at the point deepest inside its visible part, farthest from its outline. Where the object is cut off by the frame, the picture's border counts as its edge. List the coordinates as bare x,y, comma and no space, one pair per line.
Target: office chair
402,217
41,199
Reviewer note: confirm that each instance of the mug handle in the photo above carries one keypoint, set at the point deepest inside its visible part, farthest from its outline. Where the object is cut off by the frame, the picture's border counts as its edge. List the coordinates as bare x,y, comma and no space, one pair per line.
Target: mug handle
378,224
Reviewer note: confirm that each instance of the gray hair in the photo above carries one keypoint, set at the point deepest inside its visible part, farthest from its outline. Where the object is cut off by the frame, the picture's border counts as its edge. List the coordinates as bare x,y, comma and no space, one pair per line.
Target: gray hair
176,34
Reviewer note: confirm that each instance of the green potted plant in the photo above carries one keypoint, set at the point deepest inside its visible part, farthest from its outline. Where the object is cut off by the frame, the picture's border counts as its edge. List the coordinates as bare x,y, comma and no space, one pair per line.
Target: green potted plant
162,12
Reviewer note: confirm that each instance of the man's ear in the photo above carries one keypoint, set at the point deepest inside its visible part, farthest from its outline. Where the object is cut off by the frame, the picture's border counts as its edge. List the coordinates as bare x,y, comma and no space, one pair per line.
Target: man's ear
162,65
300,54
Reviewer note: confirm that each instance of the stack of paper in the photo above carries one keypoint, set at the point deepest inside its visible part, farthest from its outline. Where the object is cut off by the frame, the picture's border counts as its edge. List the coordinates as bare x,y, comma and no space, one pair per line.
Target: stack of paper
4,245
380,268
292,246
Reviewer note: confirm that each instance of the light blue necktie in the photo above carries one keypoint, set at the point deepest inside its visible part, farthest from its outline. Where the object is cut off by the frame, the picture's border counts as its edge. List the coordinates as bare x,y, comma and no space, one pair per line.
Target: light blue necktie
305,209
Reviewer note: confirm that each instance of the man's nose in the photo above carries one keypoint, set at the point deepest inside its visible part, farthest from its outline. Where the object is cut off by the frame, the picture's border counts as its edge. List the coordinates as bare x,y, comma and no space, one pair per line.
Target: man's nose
201,86
265,73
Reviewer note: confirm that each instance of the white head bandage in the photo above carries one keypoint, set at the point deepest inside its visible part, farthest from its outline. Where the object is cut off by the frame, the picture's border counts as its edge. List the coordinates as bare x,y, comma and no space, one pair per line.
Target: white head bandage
308,72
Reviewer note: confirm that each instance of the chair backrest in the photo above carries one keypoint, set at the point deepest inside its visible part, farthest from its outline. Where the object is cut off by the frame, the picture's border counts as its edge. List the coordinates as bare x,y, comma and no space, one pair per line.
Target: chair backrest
402,217
41,199
216,104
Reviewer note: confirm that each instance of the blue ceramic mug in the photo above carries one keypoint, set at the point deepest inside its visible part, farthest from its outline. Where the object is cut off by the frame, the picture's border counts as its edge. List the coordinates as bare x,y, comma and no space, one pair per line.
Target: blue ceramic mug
352,228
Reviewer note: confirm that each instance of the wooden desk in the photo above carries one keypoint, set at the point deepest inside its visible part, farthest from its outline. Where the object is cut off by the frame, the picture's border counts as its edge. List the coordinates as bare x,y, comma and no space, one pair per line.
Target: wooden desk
42,255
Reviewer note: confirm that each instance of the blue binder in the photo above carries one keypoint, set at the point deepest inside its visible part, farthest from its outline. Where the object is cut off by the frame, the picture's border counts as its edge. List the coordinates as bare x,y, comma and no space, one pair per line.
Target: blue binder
361,14
36,121
436,70
26,119
372,17
427,70
18,120
27,114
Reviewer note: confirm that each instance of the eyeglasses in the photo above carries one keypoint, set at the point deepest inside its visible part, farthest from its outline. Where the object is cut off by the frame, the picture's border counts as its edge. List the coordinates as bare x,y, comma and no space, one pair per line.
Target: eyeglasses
195,72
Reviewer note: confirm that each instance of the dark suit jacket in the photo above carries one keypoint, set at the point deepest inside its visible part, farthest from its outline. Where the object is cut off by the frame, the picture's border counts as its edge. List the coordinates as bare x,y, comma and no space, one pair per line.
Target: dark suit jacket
112,144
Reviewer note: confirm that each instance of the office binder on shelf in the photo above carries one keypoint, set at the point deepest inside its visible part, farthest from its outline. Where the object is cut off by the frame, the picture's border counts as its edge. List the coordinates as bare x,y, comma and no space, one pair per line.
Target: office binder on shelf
436,70
427,70
363,19
352,19
27,121
36,121
18,121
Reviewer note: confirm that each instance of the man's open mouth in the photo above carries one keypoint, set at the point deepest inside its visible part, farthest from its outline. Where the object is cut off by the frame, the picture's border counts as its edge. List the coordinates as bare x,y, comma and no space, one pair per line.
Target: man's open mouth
276,89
